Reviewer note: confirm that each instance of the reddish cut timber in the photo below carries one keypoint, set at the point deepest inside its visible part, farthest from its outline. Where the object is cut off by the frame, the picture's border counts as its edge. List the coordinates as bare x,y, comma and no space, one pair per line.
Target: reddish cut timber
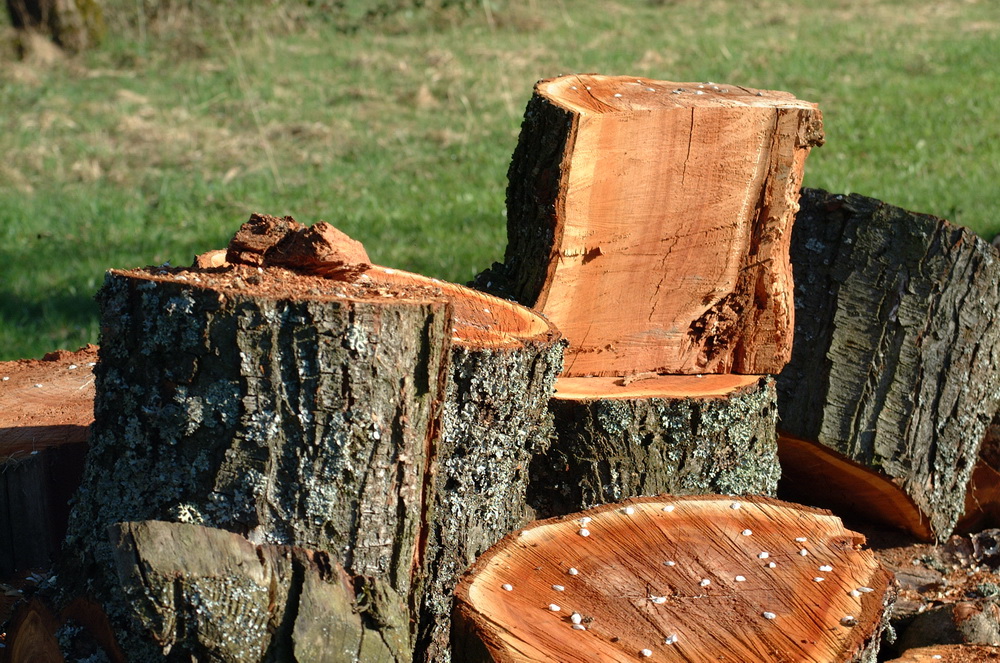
697,579
46,407
650,221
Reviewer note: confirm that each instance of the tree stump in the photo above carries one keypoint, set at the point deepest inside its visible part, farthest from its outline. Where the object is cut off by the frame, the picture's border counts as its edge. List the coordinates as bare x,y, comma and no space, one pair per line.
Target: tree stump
684,435
897,347
46,407
341,413
615,179
672,578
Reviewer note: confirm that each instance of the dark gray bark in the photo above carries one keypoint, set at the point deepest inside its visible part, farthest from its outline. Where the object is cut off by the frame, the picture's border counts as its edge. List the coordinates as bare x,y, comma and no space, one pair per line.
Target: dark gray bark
296,422
34,488
897,347
207,594
606,450
533,191
495,420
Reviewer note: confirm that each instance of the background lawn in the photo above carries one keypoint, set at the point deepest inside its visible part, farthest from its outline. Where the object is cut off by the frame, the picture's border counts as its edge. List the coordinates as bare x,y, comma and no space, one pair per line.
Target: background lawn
398,127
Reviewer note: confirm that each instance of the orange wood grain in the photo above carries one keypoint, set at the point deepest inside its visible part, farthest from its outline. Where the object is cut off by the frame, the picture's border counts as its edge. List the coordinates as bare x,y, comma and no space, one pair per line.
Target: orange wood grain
673,225
640,578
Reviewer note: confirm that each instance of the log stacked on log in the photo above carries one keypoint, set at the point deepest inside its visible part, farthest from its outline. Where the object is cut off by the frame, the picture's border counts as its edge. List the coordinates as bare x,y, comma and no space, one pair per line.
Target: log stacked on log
697,579
614,178
896,363
46,407
650,221
314,411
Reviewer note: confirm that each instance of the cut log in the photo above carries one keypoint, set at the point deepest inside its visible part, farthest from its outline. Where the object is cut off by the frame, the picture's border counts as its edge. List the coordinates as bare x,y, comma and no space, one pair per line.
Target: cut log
950,654
46,407
650,222
31,635
504,361
897,346
207,594
348,412
861,492
683,435
672,578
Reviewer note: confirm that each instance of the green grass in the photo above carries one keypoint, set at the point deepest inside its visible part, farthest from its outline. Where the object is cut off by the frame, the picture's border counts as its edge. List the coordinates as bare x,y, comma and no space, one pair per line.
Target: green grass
160,143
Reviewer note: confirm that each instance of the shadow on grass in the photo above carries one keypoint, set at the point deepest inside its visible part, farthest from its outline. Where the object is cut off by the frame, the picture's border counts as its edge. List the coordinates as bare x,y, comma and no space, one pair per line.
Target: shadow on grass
33,326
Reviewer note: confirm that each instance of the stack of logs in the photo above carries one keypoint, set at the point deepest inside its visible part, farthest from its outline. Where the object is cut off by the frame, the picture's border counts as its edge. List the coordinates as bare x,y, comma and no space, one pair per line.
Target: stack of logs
296,454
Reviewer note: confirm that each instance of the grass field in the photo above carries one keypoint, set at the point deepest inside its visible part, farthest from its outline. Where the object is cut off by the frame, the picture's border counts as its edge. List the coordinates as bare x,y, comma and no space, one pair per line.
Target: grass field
157,145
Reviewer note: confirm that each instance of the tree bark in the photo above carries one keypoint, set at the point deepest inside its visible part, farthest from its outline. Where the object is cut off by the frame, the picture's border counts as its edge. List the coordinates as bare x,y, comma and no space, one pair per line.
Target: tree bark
614,179
683,435
503,363
495,421
302,421
208,594
697,579
897,348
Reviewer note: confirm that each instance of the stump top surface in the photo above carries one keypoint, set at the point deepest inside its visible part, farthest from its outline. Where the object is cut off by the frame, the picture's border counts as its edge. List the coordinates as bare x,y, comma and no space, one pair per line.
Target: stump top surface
684,578
46,401
478,319
709,385
594,94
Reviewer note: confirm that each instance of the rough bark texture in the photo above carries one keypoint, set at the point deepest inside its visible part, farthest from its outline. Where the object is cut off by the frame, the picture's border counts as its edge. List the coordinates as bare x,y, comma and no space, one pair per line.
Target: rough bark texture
698,579
614,179
208,594
897,346
298,422
495,420
502,367
608,449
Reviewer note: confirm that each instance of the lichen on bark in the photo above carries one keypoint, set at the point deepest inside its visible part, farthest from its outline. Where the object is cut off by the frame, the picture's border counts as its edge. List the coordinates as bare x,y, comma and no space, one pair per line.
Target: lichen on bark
606,449
302,422
897,346
495,420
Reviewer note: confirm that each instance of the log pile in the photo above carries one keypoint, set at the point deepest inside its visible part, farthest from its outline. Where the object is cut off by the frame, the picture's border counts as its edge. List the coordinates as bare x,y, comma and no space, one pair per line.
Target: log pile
650,221
296,453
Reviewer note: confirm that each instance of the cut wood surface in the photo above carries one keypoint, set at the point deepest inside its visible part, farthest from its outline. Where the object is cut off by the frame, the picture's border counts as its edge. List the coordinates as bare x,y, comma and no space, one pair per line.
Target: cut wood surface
809,470
950,654
650,221
46,407
46,402
617,438
896,362
31,635
676,579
